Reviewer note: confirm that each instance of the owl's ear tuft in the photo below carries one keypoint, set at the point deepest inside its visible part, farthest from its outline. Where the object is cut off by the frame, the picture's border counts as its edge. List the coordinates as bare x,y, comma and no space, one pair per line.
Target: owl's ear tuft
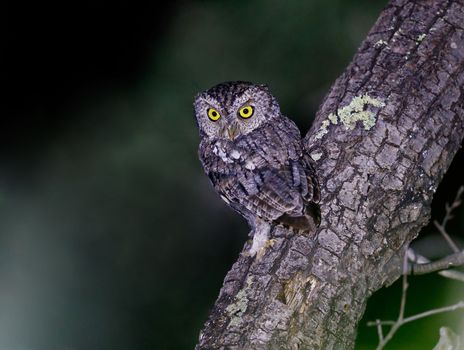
195,100
198,97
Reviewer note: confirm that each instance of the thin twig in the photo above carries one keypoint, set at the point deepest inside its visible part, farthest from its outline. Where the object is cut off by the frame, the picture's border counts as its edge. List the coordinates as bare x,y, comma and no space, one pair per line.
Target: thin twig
454,307
383,341
456,259
421,265
446,236
457,306
448,216
379,329
404,289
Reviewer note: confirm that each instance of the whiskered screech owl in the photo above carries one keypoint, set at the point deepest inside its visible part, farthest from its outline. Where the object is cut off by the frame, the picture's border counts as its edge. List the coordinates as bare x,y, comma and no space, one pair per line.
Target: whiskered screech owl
254,158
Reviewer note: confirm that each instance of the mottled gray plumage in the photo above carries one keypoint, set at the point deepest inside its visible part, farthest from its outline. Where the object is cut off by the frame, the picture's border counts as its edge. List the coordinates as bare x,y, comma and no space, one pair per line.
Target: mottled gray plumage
256,164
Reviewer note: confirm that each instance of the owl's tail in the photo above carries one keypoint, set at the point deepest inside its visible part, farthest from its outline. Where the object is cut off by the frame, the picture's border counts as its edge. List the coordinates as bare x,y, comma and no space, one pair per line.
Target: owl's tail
308,222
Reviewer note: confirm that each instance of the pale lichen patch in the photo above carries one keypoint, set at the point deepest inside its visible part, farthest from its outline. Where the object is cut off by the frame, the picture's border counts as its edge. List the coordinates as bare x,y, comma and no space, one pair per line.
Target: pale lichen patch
250,165
349,115
323,129
235,154
316,156
380,43
421,37
357,111
333,118
238,308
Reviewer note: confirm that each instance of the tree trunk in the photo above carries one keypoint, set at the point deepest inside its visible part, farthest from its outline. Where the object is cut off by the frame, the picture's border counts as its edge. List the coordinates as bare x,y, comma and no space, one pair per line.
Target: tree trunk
381,141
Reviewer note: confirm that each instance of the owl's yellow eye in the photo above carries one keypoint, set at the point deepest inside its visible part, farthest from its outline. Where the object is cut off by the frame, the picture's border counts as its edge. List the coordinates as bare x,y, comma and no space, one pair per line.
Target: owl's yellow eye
213,114
246,112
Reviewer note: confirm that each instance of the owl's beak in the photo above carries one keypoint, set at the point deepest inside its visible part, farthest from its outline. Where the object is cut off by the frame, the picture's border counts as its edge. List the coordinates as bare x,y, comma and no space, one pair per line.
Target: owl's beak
232,131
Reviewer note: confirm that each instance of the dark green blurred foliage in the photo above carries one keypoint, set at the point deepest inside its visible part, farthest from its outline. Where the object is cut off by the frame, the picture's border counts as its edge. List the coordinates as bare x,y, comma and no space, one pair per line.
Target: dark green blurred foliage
110,235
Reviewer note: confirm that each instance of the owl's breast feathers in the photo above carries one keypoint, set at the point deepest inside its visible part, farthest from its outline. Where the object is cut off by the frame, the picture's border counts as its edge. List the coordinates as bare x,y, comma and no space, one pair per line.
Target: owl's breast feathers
265,174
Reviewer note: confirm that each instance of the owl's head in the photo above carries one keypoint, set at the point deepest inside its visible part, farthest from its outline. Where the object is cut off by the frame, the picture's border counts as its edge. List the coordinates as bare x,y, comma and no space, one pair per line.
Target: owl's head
232,109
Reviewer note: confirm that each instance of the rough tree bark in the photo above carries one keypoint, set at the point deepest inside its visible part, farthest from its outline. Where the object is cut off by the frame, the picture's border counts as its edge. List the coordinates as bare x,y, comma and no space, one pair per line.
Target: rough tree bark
382,140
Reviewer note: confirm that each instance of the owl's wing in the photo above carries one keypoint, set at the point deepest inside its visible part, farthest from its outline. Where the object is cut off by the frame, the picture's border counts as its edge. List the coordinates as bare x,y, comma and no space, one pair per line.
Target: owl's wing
286,195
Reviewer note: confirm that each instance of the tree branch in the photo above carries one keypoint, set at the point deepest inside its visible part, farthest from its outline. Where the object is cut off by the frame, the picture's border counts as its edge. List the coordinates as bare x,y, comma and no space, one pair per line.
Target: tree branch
382,140
417,259
456,259
401,320
453,260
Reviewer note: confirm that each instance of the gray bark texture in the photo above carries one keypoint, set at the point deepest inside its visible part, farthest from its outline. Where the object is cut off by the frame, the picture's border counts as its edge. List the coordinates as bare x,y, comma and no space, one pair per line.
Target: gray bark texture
382,141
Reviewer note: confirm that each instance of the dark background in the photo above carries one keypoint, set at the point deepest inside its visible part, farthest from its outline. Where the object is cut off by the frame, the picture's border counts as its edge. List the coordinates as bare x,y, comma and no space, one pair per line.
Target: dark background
110,234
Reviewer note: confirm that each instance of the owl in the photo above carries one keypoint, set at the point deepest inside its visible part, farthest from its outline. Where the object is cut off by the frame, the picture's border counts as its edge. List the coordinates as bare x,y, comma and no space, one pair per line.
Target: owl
254,157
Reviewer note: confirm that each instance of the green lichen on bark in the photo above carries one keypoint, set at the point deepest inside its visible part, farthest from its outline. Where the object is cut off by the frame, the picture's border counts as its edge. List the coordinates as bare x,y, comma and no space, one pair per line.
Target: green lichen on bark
357,110
324,129
316,156
421,37
380,43
238,308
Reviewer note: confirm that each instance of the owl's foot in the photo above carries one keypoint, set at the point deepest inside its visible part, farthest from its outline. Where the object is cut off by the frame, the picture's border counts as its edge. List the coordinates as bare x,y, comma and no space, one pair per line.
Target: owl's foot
261,239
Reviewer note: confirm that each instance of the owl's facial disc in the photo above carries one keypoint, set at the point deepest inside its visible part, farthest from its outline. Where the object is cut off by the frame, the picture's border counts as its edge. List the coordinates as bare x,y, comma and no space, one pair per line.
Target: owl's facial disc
233,109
